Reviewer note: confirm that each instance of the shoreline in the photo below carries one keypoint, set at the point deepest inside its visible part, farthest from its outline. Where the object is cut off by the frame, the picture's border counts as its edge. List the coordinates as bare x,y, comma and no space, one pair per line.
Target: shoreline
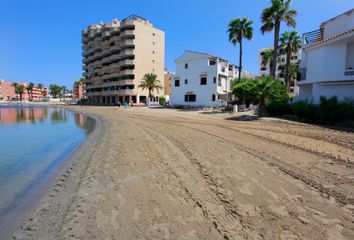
31,210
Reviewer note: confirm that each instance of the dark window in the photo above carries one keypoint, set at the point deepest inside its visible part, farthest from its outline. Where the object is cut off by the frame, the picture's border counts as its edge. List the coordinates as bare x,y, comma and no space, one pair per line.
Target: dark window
263,68
176,83
190,98
214,79
185,81
186,65
223,69
212,62
213,98
203,81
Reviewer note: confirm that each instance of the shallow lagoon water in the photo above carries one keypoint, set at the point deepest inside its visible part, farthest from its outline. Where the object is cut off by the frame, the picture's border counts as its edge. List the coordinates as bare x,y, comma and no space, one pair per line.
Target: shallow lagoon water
34,143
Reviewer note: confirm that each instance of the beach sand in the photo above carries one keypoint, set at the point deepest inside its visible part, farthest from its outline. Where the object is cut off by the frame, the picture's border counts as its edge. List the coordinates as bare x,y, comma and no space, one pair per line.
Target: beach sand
169,174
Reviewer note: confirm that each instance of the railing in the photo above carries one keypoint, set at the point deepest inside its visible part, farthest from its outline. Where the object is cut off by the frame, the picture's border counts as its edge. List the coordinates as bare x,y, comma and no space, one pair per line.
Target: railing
314,36
349,72
303,72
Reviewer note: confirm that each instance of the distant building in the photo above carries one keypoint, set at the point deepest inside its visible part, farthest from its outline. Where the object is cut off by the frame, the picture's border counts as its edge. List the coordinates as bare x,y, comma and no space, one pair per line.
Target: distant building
202,80
327,64
7,92
264,69
78,90
116,56
167,83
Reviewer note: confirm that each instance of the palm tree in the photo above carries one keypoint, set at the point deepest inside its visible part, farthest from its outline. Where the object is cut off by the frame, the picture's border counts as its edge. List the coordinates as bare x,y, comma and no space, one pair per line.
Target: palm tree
266,88
267,58
238,29
29,89
272,17
19,89
151,83
39,85
64,89
290,42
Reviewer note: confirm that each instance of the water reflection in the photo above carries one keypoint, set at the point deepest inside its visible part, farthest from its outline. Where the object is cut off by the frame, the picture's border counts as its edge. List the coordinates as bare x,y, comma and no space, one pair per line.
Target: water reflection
22,115
37,142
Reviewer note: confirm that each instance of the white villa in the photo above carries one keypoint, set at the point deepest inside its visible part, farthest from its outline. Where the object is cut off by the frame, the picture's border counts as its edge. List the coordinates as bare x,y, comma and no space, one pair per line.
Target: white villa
327,64
202,80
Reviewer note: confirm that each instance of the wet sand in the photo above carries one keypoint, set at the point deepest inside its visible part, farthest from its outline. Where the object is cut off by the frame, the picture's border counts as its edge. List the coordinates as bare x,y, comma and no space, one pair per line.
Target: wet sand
168,174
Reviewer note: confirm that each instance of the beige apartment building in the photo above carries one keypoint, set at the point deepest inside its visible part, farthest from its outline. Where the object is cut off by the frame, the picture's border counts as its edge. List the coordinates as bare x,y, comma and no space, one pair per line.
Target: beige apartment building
116,56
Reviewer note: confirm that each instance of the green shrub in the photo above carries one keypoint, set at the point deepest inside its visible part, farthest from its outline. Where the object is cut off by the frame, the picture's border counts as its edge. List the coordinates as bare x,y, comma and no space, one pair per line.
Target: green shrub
162,101
278,108
328,111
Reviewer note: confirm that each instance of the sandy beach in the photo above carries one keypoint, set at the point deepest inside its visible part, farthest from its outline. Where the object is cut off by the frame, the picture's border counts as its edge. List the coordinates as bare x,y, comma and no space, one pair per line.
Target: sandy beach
169,174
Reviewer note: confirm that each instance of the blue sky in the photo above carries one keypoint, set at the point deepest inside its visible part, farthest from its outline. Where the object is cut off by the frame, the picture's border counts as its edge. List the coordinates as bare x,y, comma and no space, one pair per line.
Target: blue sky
40,41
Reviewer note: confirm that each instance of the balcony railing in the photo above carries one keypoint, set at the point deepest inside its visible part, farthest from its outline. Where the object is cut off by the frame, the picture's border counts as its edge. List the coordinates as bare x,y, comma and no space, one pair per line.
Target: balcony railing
349,72
313,37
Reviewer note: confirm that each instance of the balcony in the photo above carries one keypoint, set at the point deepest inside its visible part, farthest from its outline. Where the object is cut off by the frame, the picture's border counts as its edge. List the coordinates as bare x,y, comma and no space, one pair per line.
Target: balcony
127,63
313,37
127,33
127,72
127,42
349,72
126,52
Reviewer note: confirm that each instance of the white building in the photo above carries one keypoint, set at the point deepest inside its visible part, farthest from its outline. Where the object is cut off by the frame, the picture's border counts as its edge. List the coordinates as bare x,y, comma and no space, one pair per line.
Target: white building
327,65
264,69
202,80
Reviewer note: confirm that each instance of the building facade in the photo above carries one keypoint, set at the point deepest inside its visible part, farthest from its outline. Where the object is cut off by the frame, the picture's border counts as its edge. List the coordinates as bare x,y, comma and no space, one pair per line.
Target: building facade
116,56
327,64
202,80
167,83
264,69
78,90
7,92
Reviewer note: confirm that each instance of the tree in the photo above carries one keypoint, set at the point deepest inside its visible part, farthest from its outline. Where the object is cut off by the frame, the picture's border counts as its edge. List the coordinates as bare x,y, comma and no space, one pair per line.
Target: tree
267,58
29,89
290,42
151,83
39,85
64,90
260,91
272,17
55,90
238,29
19,89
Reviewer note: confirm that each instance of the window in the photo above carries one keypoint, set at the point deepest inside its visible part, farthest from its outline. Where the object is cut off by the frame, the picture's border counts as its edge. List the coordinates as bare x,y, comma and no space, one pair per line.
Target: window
190,98
219,82
214,79
263,68
153,43
203,81
223,69
153,34
186,65
177,83
153,52
153,60
211,62
213,97
185,81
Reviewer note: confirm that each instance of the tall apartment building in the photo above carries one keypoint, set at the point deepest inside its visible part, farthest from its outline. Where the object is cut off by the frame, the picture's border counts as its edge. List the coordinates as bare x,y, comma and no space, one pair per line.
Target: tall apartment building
264,69
116,55
78,90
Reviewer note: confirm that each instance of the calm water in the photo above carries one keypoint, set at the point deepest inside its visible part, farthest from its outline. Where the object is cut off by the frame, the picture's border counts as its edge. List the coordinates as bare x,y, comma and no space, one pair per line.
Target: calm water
34,142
